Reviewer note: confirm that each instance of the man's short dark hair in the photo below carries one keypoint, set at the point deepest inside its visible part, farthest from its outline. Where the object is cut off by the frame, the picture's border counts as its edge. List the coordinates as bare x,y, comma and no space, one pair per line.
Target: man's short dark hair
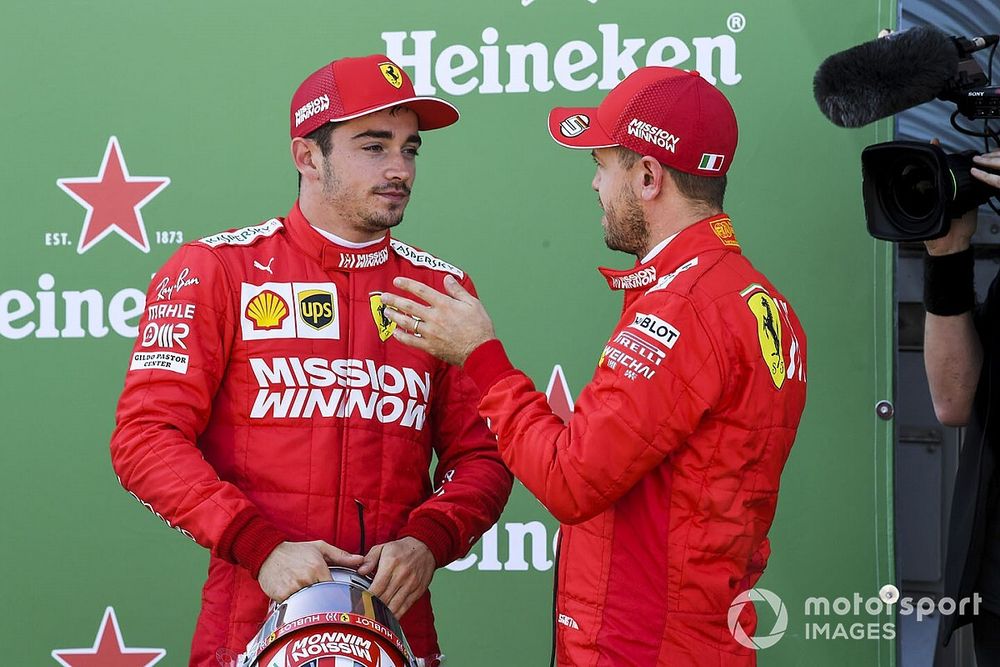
322,136
706,191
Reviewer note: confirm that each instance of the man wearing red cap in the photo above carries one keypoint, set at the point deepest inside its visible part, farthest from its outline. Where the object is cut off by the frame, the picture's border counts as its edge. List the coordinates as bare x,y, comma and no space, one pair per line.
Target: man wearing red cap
666,477
269,415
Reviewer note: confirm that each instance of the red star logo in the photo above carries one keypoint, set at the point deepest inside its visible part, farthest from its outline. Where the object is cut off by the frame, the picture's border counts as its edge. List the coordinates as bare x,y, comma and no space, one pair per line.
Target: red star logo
560,400
113,199
109,649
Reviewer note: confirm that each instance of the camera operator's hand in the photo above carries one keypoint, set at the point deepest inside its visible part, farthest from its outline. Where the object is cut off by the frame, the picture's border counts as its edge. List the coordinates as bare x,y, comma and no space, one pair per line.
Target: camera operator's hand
959,235
958,238
990,161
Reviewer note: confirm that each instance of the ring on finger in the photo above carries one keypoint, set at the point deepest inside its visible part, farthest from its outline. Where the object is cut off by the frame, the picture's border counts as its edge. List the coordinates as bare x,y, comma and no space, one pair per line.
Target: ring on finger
416,325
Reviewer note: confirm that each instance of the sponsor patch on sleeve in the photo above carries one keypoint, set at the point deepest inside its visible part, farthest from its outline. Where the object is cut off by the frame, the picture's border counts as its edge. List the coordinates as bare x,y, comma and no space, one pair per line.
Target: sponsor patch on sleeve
164,361
167,335
632,356
170,310
244,236
653,326
421,258
169,287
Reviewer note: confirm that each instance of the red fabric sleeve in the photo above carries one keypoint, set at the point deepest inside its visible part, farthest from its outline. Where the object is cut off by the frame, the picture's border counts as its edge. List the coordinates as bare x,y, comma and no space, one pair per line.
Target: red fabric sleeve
177,363
627,420
487,364
471,482
758,562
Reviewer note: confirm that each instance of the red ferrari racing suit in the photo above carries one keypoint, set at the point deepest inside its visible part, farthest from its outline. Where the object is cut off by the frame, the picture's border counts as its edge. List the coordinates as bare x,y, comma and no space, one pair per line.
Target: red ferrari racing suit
266,400
666,477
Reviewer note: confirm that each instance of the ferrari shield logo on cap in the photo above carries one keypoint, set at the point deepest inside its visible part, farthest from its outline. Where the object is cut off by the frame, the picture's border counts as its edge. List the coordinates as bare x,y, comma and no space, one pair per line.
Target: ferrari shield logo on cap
392,74
384,325
574,126
769,334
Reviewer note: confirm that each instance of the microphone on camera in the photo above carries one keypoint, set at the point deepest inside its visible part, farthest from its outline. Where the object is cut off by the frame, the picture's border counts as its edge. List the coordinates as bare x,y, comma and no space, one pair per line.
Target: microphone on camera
973,44
888,75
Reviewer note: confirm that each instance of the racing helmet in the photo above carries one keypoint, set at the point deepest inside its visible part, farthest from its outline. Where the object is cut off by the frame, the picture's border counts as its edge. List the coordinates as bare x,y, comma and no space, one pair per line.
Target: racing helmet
335,623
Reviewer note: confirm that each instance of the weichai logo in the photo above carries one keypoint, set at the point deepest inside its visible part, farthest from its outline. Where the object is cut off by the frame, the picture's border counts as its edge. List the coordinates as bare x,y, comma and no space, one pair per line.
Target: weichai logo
598,59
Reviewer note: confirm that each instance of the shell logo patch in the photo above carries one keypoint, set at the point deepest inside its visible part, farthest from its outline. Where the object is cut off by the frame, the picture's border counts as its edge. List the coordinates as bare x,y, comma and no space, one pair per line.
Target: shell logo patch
384,325
267,311
724,230
289,310
392,74
766,311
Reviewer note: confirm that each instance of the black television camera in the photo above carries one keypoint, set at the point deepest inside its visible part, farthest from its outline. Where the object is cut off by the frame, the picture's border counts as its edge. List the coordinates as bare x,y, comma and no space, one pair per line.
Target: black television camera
912,190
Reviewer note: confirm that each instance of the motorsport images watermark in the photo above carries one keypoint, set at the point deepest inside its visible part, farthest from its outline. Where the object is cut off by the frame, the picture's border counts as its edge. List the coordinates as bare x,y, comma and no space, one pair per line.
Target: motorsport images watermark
851,618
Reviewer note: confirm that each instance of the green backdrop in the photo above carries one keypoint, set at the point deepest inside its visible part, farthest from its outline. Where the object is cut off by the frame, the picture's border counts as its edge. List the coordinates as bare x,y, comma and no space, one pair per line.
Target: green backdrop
198,92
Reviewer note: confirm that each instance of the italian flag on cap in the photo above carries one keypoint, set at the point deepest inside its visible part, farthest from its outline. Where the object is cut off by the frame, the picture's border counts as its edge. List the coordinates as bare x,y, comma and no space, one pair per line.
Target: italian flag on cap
711,162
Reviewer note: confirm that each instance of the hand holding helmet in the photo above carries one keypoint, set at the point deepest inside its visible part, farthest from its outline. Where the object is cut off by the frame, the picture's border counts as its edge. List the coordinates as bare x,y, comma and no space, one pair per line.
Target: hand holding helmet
325,623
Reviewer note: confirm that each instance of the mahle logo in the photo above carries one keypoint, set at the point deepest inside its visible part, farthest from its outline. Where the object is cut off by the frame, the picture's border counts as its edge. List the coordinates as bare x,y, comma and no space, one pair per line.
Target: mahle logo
758,642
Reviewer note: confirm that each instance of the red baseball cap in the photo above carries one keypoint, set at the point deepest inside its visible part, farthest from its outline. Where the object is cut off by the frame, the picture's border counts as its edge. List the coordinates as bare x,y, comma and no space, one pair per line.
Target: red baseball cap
352,87
674,116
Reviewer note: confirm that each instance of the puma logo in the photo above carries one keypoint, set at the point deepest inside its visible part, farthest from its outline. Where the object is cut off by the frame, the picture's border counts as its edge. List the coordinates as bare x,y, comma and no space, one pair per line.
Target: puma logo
267,268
